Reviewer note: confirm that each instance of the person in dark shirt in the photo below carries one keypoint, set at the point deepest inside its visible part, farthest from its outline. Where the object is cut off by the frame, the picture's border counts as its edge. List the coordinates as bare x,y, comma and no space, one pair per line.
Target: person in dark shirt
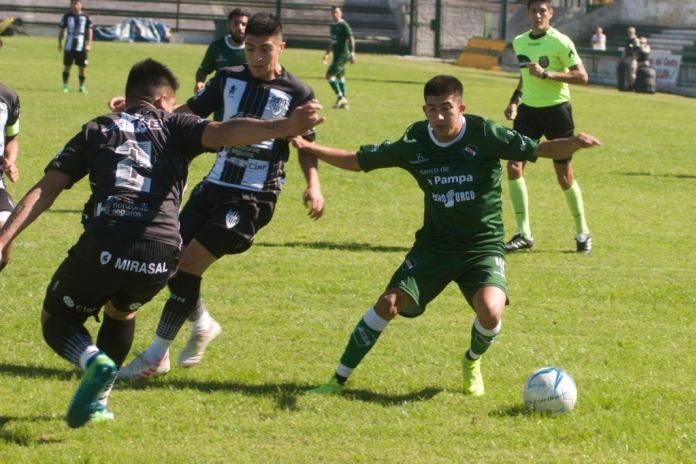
77,43
9,150
630,57
238,196
137,163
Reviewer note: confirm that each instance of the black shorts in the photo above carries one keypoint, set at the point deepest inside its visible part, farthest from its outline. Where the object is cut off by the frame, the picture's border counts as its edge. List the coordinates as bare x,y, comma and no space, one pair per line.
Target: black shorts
79,58
127,272
6,203
225,220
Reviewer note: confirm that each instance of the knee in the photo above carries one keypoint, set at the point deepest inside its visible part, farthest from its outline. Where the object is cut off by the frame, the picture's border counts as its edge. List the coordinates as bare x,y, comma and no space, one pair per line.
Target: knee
114,313
391,302
565,180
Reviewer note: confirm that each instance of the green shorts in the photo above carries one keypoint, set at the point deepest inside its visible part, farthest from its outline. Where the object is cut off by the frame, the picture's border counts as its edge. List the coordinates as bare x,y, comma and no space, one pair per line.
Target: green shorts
424,274
337,68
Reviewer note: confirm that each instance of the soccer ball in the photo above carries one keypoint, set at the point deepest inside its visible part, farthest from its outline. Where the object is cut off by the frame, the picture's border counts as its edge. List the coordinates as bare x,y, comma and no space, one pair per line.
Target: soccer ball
550,390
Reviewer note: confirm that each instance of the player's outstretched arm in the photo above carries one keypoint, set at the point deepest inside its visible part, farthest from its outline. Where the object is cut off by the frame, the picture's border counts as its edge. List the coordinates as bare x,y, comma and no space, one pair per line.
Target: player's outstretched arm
564,148
343,159
312,197
36,201
246,131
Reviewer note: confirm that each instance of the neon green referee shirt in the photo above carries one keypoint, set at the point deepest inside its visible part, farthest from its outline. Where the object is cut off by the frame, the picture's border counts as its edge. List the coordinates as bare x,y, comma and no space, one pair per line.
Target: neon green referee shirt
555,52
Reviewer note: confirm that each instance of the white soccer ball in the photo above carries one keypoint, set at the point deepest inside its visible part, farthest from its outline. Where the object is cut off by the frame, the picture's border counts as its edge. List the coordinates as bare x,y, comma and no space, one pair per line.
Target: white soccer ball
550,390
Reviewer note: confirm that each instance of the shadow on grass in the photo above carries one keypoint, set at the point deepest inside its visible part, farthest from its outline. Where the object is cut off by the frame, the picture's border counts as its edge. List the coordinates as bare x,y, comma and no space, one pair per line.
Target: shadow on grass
648,174
285,394
510,411
64,211
14,430
345,246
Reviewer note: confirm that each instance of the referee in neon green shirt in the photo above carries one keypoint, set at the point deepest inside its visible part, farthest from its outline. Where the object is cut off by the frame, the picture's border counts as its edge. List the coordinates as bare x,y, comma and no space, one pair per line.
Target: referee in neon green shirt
540,106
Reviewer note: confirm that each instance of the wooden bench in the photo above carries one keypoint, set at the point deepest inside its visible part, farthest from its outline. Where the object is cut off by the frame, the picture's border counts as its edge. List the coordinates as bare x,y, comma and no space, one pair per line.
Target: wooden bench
482,53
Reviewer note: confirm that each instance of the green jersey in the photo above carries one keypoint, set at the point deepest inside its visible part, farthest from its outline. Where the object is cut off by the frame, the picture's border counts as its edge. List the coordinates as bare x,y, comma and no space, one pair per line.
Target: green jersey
222,53
340,39
460,180
554,52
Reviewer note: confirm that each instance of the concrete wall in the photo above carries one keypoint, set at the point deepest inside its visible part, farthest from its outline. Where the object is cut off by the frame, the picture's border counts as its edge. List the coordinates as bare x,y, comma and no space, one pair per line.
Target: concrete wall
666,13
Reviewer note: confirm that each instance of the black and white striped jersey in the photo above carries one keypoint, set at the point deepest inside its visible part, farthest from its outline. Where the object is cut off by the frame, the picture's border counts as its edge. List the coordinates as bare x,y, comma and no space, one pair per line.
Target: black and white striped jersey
137,162
9,120
258,167
76,26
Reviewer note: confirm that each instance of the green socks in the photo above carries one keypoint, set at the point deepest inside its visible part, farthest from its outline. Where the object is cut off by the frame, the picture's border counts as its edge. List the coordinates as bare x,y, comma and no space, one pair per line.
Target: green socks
361,342
520,203
481,339
342,87
574,198
336,87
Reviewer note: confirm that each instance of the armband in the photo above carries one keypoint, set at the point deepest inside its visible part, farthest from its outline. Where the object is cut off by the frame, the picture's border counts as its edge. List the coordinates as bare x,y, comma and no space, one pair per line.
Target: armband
516,96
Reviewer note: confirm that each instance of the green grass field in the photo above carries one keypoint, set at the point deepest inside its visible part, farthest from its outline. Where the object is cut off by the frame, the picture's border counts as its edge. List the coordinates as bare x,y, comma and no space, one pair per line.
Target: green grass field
621,320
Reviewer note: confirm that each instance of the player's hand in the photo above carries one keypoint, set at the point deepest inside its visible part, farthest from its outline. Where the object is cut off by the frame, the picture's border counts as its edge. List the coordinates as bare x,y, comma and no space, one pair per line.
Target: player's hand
301,143
510,112
88,47
117,104
325,59
314,201
198,87
536,70
351,58
11,170
305,117
587,140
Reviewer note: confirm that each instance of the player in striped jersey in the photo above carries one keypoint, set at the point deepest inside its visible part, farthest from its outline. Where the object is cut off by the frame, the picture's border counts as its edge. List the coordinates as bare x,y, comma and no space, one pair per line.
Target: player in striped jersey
78,42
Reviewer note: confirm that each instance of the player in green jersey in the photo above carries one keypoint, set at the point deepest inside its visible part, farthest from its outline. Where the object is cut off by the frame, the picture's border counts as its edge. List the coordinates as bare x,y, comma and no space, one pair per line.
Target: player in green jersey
224,52
540,106
455,159
343,47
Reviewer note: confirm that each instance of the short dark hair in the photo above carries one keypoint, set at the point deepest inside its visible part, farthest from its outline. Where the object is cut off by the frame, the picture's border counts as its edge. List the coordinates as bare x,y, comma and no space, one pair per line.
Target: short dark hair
147,77
334,8
529,2
263,25
237,12
443,85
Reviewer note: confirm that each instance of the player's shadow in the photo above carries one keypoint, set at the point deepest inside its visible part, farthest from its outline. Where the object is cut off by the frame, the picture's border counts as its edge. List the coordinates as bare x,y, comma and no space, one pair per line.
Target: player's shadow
64,211
648,174
509,411
38,372
340,246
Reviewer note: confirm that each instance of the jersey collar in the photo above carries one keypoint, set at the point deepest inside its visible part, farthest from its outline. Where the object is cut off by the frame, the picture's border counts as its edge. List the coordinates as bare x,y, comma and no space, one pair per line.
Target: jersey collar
228,42
459,136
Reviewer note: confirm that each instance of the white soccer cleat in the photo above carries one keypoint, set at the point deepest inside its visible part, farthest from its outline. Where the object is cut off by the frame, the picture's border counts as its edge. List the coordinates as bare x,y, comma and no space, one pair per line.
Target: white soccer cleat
142,368
194,350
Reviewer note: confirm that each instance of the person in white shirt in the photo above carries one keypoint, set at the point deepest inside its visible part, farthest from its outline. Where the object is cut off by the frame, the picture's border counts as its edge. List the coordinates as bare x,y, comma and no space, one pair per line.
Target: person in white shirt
599,40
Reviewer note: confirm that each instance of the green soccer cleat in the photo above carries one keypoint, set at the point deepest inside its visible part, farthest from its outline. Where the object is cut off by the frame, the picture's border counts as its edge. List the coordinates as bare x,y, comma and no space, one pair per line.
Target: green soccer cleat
101,415
66,90
85,405
83,89
473,380
332,387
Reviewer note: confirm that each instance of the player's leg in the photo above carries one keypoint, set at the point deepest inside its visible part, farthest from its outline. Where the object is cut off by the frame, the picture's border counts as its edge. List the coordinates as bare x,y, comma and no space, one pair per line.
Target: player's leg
364,337
71,298
68,59
81,62
185,289
333,83
525,123
560,124
6,208
340,75
484,285
420,278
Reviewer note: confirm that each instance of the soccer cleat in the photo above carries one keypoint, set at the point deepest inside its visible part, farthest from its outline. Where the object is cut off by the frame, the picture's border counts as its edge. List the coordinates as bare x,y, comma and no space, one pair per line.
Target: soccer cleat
85,404
332,387
142,368
338,103
66,89
519,242
101,415
473,380
194,350
343,103
583,243
83,89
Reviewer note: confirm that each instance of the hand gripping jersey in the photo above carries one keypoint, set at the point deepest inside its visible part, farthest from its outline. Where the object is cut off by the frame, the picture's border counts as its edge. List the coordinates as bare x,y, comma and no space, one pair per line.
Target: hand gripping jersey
460,180
77,26
9,120
257,167
137,162
554,52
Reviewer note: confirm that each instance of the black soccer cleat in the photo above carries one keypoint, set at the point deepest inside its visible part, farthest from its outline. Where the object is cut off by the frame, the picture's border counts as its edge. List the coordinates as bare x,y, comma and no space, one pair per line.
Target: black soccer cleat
519,242
583,246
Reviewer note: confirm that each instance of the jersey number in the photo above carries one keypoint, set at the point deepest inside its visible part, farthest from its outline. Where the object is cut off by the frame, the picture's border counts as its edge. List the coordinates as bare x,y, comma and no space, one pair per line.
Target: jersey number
127,176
